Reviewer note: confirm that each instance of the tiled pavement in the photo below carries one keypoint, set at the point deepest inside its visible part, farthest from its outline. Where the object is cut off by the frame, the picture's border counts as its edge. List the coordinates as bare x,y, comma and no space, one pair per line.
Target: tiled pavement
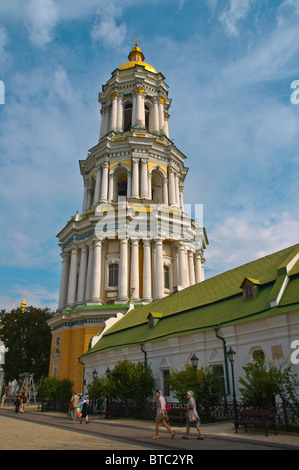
54,431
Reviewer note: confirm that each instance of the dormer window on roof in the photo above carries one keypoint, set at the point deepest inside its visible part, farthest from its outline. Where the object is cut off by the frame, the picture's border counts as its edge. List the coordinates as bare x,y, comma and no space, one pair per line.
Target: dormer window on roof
248,287
153,319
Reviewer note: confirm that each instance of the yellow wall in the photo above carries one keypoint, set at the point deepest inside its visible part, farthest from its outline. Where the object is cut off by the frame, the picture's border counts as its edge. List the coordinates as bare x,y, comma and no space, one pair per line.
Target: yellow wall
74,342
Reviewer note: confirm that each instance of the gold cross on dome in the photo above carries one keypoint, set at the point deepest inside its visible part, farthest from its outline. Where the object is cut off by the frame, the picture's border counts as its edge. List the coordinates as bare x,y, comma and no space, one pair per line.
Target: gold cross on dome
136,41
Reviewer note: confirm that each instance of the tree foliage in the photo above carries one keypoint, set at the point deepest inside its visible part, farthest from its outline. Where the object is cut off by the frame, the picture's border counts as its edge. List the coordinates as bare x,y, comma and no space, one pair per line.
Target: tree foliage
56,389
264,381
209,385
27,339
126,382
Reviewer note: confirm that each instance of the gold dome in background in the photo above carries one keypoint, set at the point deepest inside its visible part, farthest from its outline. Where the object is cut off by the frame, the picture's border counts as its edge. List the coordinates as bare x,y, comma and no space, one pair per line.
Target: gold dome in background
136,57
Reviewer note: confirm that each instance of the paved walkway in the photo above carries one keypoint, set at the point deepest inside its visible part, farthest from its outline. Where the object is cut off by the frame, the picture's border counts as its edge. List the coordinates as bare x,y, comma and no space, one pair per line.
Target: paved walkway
34,430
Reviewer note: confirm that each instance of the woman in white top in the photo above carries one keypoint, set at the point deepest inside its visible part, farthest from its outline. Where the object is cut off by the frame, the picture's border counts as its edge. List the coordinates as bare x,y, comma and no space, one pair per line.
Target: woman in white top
192,406
162,416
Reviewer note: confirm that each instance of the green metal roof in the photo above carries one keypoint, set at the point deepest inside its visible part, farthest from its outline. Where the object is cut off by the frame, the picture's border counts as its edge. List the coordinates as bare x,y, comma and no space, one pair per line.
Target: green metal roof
214,302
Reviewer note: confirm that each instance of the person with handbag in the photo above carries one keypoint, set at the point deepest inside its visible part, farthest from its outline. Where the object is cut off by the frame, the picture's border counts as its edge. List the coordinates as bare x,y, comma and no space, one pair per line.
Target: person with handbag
192,418
73,405
161,415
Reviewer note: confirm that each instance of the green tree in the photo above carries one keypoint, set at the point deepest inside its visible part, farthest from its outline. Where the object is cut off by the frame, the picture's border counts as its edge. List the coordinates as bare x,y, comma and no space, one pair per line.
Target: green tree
56,389
27,338
264,381
126,382
209,385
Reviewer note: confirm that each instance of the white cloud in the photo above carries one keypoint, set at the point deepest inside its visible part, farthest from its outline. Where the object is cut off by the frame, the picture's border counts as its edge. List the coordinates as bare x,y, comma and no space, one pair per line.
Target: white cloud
237,12
42,18
4,40
35,295
242,238
106,28
41,182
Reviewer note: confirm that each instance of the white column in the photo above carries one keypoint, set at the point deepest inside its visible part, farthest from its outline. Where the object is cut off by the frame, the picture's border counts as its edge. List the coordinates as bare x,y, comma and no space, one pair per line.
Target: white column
123,271
135,269
176,189
89,271
147,271
129,184
161,114
165,191
159,270
144,188
106,121
181,196
149,184
96,196
171,186
156,126
120,113
113,97
111,189
89,194
102,132
134,110
104,185
140,111
71,293
135,177
64,280
166,130
84,207
82,275
96,272
182,265
191,268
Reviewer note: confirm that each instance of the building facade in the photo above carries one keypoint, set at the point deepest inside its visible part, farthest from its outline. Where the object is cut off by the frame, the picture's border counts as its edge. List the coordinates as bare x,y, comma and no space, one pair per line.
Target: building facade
253,308
132,240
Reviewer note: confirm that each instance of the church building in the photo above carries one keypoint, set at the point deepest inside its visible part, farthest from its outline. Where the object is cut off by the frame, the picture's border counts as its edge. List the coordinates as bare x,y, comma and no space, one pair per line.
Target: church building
132,243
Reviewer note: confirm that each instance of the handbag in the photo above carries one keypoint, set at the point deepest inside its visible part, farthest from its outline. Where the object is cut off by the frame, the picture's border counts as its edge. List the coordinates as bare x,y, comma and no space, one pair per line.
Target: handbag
192,417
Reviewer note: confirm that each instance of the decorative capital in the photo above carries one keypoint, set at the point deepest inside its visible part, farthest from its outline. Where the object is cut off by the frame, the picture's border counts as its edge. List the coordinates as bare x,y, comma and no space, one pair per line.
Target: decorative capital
162,99
139,90
113,95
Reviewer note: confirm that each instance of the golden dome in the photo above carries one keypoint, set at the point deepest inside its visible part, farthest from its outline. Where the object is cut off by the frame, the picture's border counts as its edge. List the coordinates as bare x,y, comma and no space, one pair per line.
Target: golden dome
136,57
23,306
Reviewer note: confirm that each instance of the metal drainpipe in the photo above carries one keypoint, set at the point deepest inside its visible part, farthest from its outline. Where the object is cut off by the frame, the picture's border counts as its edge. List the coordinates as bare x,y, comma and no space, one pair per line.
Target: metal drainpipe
145,356
225,359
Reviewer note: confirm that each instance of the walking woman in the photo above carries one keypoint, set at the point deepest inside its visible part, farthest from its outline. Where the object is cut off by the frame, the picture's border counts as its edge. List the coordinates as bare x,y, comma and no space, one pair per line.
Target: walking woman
192,406
161,416
84,410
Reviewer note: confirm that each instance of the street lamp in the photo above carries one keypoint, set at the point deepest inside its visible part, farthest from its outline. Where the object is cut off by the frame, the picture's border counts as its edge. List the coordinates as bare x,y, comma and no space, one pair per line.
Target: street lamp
231,354
108,372
94,374
194,362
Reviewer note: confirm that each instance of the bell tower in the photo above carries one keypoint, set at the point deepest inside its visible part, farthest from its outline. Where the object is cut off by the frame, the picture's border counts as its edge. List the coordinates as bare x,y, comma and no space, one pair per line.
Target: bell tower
132,239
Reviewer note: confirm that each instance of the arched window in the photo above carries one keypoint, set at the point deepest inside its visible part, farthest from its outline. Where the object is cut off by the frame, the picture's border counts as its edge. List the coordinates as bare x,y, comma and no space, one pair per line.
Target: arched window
113,275
128,117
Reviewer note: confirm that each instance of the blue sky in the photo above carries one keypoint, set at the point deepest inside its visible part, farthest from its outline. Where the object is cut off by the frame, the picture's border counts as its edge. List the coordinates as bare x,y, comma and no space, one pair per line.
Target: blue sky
229,65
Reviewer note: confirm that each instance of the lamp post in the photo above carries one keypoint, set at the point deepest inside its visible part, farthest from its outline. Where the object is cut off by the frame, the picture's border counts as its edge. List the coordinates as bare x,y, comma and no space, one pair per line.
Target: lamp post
231,354
194,362
108,372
